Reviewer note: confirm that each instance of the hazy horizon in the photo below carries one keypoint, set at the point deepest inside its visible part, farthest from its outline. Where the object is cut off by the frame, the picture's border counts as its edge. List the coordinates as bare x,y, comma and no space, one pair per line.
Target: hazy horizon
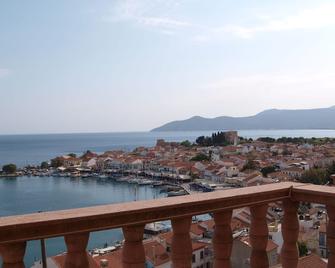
133,65
178,119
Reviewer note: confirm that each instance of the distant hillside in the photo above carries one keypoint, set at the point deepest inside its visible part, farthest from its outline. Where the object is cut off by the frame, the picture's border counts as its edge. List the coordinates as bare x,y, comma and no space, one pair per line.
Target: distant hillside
270,119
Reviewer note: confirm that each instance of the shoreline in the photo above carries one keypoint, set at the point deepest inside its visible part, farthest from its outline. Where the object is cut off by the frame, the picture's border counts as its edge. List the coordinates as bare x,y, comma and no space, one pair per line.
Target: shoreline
32,149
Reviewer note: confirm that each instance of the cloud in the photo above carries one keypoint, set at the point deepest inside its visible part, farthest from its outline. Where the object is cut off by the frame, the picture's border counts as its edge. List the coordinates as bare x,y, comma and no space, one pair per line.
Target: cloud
4,72
163,22
308,19
151,14
160,15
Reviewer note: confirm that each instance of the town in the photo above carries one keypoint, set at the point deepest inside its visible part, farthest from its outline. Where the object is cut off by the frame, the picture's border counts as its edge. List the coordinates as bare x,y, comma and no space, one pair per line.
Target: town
217,163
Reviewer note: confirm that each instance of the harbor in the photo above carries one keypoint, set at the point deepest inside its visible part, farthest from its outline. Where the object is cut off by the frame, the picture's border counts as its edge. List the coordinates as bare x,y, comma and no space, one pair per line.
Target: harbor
24,194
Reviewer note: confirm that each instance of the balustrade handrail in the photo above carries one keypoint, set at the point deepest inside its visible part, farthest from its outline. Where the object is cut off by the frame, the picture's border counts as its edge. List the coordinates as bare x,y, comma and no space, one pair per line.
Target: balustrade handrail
89,219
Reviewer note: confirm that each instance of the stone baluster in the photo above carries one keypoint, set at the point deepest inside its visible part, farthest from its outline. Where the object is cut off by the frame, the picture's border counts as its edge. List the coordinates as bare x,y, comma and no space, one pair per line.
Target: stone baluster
290,230
76,256
133,255
12,254
331,236
259,235
181,243
223,239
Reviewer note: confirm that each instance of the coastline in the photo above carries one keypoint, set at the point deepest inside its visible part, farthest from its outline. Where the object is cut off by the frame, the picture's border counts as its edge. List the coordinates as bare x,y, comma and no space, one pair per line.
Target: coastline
167,168
33,149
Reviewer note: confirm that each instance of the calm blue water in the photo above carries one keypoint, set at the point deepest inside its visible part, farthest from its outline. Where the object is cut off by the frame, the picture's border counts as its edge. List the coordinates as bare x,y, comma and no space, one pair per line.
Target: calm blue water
33,149
28,195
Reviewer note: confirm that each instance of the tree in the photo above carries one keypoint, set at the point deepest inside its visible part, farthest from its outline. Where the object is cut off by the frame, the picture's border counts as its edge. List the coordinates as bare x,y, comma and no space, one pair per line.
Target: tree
186,143
44,165
317,176
267,139
331,169
9,169
72,155
303,250
274,153
200,140
200,157
219,139
57,162
88,154
267,170
286,152
204,141
249,165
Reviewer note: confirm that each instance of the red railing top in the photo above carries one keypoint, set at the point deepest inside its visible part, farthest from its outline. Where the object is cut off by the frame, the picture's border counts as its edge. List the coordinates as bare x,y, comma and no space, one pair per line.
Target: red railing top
59,223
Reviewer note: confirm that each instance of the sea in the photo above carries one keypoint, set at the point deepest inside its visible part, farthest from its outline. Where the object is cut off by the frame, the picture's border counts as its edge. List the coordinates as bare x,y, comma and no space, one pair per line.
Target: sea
32,194
24,150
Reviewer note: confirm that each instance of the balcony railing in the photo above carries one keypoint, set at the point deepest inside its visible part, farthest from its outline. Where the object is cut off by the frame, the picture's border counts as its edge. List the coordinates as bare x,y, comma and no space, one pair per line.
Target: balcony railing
76,224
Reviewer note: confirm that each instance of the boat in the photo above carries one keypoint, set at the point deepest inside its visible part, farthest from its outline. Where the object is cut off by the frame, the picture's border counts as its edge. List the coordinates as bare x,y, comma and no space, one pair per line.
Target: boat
155,228
133,181
177,193
157,184
103,251
122,179
144,182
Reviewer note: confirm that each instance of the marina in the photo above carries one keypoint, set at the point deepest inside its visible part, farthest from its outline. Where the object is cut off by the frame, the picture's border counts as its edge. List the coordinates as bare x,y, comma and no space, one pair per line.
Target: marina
170,184
53,192
25,194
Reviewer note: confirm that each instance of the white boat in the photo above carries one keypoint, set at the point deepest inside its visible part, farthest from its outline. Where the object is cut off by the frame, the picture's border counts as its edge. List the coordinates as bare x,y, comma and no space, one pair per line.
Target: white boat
157,184
122,179
133,181
145,182
102,251
177,193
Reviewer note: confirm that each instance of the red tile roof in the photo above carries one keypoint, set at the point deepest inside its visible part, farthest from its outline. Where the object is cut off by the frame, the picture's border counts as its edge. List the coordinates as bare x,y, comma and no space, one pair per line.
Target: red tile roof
156,253
311,261
59,260
197,229
198,245
114,259
269,247
235,224
168,239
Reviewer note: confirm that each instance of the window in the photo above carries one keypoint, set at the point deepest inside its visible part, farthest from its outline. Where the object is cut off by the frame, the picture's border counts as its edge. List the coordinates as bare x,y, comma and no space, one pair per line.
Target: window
201,255
193,258
322,240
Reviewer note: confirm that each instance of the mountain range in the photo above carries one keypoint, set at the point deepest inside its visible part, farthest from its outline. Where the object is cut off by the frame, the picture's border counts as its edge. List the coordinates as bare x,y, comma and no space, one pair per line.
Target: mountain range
323,118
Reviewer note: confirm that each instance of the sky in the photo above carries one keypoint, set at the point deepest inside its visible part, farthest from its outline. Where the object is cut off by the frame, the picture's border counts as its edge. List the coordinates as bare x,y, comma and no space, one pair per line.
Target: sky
132,65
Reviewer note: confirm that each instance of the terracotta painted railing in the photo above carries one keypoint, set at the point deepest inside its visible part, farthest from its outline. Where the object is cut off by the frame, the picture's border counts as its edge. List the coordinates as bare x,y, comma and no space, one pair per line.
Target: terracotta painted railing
76,224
